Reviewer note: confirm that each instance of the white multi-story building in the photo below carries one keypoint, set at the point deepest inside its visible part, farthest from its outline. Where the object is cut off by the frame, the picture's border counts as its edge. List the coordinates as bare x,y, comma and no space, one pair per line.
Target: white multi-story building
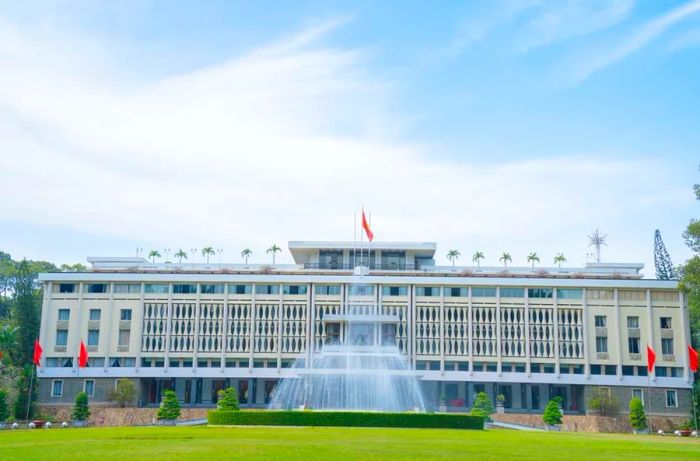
528,334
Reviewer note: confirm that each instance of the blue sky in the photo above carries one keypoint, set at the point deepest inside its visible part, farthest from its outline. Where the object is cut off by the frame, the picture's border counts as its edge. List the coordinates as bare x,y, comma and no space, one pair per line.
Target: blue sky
500,126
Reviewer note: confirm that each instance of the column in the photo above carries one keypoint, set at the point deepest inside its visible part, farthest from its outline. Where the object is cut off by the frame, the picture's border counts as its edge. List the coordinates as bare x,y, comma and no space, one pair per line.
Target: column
499,356
168,329
45,309
555,320
195,349
310,326
442,330
471,333
650,326
618,334
251,339
224,329
528,358
79,328
586,341
412,325
685,329
139,329
280,314
109,334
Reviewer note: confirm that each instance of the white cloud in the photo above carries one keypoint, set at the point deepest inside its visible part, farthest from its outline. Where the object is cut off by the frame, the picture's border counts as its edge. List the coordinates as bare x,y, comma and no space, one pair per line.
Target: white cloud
256,150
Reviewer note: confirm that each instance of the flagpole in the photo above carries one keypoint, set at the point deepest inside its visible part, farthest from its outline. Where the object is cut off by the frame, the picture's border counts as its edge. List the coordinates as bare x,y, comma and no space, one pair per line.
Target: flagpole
362,240
29,397
354,239
651,424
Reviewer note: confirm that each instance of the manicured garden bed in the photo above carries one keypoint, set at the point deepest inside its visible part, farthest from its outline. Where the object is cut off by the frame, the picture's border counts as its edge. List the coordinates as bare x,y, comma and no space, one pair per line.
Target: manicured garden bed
344,419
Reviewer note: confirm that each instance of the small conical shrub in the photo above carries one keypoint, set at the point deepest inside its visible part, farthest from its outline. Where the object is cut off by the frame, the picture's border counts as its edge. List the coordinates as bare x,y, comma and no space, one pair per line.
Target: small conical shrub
81,411
638,419
169,407
482,405
552,414
228,399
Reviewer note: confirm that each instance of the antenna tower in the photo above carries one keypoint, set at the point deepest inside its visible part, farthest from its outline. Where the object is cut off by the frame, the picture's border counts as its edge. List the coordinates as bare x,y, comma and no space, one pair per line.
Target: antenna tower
597,241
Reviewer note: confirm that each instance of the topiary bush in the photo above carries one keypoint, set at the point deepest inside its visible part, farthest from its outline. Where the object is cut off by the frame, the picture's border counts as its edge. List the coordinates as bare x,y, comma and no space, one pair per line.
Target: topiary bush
638,419
81,412
228,400
482,405
169,407
344,419
552,414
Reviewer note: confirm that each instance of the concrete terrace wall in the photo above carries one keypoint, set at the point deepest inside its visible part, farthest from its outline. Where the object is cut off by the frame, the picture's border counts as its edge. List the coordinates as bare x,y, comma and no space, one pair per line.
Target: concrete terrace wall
589,423
114,416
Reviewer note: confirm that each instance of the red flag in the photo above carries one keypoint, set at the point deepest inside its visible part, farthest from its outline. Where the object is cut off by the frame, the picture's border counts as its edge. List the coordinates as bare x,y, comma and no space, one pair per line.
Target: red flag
365,226
83,357
37,352
651,358
692,359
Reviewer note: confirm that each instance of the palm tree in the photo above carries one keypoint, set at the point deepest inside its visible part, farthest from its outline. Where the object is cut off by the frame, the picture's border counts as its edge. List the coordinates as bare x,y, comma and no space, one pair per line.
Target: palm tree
559,259
452,255
153,254
273,249
206,252
246,254
532,257
505,258
180,255
478,256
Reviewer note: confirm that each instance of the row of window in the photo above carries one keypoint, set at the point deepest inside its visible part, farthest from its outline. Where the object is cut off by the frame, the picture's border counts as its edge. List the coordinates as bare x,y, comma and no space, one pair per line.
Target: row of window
665,323
95,314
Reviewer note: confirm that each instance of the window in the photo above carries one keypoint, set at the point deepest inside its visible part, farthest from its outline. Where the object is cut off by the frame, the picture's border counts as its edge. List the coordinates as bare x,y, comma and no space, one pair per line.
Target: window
239,289
361,290
632,322
600,321
63,314
633,344
89,387
388,334
185,288
211,288
66,288
569,293
93,337
159,288
125,314
57,388
484,292
540,293
667,346
630,295
665,323
508,292
427,291
51,362
95,314
124,337
601,344
600,295
456,292
327,290
127,288
394,291
61,337
638,394
294,289
118,362
671,400
96,362
96,288
267,289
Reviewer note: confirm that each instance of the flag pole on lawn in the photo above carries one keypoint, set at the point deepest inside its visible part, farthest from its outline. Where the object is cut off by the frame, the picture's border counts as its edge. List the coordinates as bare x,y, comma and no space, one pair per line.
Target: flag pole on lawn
354,239
693,365
651,359
36,360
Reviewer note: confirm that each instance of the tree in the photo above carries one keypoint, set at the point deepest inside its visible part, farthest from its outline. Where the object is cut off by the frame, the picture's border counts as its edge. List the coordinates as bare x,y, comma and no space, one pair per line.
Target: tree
4,407
228,399
77,267
206,252
153,254
604,402
452,255
81,412
8,342
180,255
638,419
662,261
478,256
27,312
246,253
505,259
552,413
482,405
273,249
123,394
532,258
559,259
169,407
20,406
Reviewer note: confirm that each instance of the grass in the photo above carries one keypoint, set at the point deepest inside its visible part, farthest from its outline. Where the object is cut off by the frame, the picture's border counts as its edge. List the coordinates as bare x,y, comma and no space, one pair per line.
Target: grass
310,443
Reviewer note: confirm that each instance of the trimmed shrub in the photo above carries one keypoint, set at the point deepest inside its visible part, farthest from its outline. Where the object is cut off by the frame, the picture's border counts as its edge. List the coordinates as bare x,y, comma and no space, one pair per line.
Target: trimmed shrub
81,411
604,402
169,407
228,400
638,419
552,414
482,405
4,407
124,393
344,419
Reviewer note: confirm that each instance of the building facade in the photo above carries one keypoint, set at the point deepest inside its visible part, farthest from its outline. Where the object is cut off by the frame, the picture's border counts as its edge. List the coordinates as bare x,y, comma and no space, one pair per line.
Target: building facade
527,334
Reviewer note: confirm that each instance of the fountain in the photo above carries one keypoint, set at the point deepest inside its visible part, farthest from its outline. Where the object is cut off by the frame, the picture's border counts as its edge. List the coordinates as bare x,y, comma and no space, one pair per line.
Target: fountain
359,367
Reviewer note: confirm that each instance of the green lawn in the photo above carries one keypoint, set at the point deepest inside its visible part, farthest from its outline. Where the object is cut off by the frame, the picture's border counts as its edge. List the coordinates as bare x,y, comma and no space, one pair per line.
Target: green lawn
309,443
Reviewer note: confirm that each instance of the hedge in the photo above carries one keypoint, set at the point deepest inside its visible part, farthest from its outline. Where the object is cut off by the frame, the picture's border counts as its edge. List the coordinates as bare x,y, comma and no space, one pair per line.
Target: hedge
344,418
